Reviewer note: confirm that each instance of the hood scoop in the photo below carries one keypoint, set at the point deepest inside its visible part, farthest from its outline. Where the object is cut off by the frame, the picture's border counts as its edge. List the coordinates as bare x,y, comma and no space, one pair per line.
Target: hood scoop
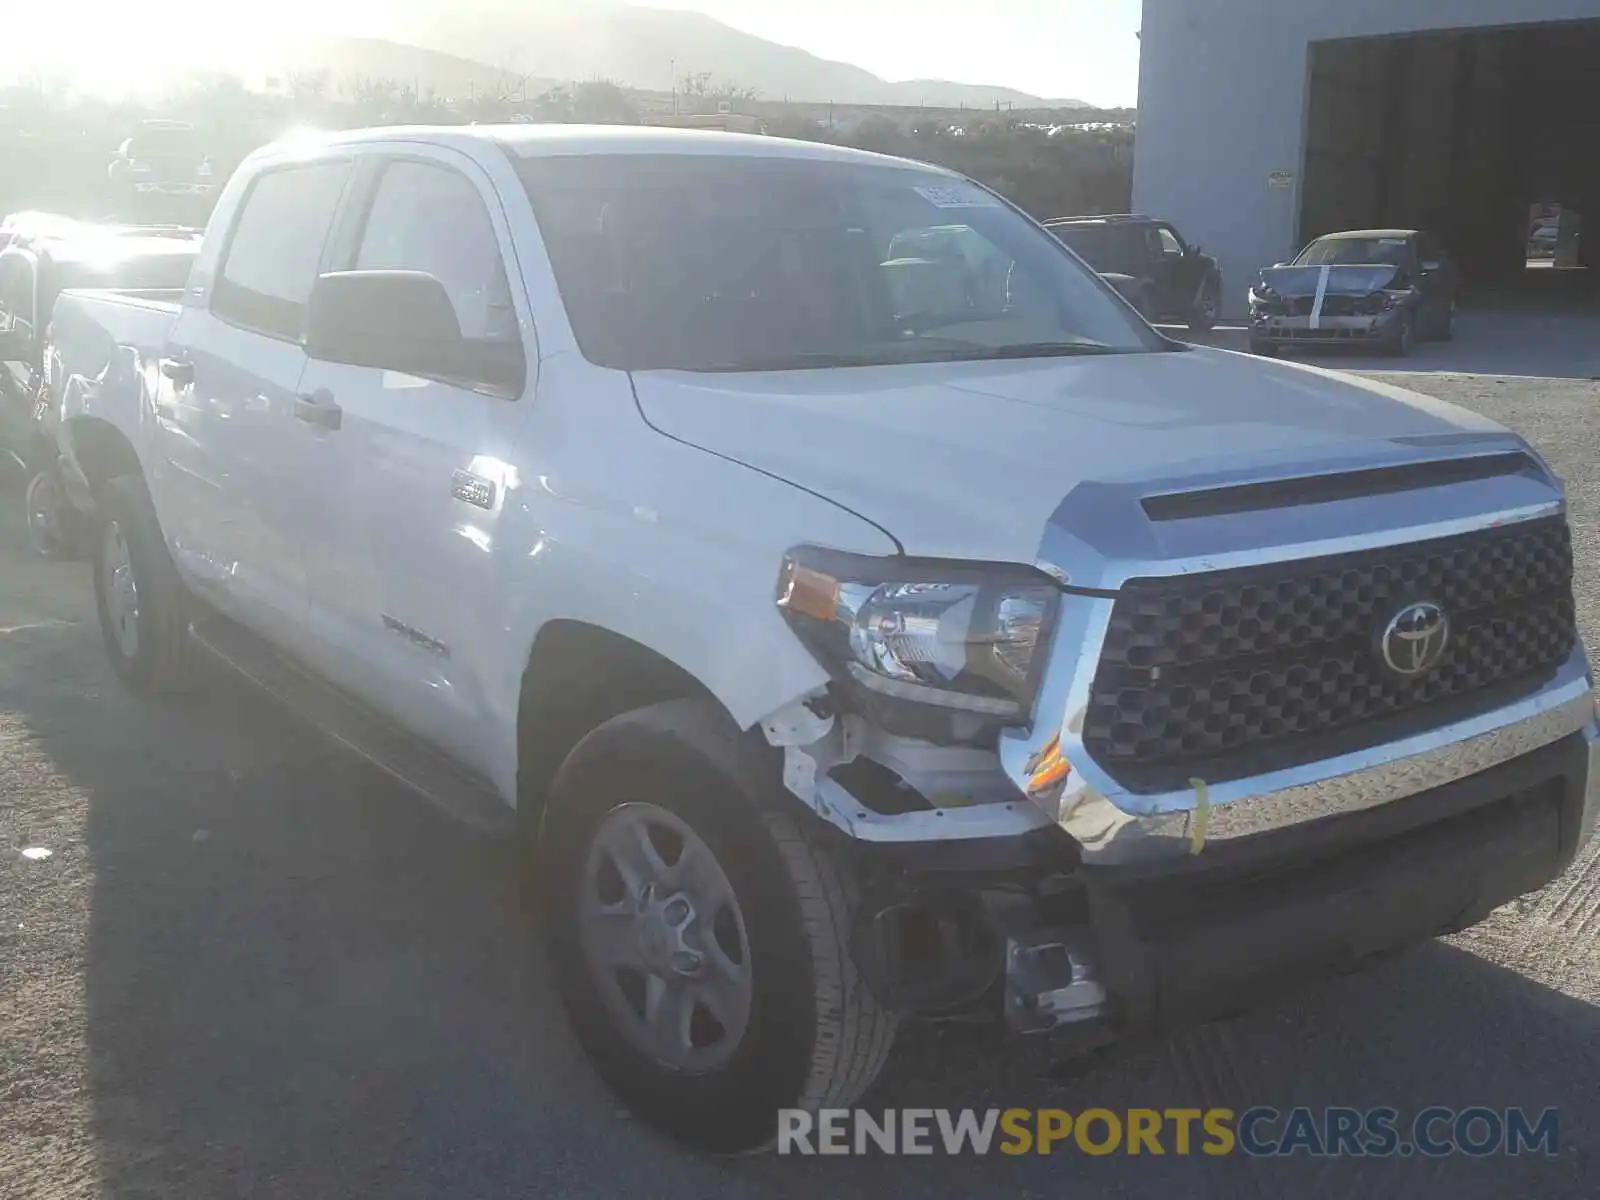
1343,485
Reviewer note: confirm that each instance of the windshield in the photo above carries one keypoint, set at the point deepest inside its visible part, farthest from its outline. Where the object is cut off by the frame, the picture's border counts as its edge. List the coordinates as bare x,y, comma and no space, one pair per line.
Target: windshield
164,143
1384,251
732,263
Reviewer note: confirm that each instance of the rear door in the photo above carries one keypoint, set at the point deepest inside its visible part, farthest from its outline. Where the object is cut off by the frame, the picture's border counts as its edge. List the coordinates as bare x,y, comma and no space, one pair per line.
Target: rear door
399,602
233,476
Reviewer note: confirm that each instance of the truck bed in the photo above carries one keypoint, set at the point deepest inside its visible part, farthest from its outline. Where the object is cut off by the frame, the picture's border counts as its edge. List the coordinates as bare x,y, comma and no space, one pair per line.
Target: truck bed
108,344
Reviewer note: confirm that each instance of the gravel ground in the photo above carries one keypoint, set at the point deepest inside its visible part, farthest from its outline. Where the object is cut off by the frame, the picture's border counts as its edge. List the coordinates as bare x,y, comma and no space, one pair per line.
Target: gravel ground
252,967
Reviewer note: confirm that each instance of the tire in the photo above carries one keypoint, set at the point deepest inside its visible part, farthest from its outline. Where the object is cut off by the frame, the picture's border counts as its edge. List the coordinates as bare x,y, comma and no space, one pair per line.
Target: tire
1203,316
1447,331
812,1037
130,551
1404,339
55,528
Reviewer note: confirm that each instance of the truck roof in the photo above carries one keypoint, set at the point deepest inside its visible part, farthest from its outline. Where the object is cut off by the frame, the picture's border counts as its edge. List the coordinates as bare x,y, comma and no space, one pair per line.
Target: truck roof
529,141
1353,235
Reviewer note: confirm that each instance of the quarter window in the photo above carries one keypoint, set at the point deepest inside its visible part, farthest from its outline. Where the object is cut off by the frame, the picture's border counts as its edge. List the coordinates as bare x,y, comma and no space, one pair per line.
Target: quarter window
277,246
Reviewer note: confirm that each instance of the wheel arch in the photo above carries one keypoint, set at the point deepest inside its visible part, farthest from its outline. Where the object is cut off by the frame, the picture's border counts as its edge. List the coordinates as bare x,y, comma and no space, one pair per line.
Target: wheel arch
100,452
578,676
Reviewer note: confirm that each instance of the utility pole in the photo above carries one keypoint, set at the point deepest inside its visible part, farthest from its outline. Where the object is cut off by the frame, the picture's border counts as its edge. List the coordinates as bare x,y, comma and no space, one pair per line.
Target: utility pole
674,63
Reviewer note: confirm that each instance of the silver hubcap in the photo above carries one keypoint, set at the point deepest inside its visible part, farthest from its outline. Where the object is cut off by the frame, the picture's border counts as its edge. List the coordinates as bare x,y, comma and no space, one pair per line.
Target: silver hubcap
122,593
664,939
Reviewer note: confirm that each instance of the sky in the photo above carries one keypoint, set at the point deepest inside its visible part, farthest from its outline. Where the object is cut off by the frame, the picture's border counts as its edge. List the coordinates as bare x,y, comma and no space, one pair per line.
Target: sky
1082,49
1078,49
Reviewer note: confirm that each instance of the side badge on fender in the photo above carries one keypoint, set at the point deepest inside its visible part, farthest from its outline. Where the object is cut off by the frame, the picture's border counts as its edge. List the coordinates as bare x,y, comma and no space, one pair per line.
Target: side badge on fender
474,489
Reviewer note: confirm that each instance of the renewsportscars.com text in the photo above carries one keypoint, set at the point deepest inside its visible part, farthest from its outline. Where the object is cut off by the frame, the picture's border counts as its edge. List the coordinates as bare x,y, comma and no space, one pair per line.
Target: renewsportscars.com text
1261,1132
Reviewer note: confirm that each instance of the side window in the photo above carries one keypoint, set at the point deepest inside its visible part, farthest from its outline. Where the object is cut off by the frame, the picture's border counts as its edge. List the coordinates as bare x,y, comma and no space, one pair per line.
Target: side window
1167,242
271,262
1429,248
427,217
1138,251
16,294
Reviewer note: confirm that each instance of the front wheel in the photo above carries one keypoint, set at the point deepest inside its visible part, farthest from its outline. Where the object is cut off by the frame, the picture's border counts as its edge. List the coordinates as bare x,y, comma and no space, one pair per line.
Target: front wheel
143,606
697,932
1404,338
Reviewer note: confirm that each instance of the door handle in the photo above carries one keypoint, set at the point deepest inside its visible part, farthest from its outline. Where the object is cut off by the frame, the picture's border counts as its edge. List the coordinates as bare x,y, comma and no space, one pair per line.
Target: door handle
180,371
318,408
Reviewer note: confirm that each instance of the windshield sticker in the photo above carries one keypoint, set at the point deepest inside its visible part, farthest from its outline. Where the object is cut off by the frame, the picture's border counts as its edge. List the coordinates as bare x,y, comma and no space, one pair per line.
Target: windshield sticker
1391,241
955,195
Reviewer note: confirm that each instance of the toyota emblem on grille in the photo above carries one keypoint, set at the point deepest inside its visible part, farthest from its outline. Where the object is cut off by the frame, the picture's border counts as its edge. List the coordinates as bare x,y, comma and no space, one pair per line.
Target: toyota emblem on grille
1414,640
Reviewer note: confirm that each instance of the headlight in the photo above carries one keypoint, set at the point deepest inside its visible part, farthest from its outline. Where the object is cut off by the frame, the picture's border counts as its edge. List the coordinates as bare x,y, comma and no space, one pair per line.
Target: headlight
1265,299
945,634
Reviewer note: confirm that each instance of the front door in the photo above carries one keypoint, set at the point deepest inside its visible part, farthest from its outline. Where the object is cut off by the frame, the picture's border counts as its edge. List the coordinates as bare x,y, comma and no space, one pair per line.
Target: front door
401,605
1176,285
229,476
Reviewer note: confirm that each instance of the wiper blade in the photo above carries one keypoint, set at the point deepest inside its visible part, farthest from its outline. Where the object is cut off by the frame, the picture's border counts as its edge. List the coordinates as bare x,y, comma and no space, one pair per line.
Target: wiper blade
1043,350
797,362
903,354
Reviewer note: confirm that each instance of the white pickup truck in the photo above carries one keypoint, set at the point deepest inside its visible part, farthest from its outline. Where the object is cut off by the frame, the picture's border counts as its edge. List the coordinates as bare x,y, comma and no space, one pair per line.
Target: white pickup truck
849,634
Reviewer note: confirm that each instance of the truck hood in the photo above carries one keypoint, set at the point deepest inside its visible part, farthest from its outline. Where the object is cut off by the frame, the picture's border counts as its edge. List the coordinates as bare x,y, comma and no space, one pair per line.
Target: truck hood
1348,280
970,460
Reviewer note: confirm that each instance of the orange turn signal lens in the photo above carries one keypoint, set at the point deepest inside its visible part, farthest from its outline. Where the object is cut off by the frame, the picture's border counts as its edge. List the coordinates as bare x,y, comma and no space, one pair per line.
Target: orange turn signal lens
1048,768
809,592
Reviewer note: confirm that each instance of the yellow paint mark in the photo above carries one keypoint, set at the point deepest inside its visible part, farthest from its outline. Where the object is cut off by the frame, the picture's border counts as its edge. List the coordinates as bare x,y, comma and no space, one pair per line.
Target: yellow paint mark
1202,816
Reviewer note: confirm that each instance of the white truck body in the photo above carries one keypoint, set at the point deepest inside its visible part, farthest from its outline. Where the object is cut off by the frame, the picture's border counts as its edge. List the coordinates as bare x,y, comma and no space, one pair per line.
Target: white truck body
410,540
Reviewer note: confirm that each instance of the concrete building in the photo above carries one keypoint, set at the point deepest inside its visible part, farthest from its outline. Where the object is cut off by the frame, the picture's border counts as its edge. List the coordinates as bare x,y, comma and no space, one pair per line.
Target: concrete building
1262,125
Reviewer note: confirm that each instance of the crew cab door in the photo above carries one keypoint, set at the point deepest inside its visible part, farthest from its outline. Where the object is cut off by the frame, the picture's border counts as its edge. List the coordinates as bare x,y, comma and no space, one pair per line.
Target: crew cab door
400,607
232,479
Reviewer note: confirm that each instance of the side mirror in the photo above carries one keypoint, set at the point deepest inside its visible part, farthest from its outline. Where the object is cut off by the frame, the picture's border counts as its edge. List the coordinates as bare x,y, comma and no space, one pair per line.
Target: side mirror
394,320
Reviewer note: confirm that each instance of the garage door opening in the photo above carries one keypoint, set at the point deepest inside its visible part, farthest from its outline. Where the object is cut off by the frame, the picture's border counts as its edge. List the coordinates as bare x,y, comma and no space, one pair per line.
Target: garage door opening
1485,137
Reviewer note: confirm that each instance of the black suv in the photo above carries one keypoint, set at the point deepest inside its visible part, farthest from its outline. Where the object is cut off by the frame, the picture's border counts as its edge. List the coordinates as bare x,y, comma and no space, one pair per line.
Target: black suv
1148,261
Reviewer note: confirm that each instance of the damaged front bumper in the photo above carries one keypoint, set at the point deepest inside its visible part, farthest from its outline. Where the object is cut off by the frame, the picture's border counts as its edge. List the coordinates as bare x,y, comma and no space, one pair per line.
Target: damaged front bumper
1155,908
1276,327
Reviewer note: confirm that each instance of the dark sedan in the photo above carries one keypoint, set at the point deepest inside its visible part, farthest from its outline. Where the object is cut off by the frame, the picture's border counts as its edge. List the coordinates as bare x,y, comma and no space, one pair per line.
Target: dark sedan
1385,288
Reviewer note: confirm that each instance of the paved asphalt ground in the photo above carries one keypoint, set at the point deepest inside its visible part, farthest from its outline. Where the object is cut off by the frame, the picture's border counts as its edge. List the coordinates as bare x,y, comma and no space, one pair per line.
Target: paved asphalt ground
254,967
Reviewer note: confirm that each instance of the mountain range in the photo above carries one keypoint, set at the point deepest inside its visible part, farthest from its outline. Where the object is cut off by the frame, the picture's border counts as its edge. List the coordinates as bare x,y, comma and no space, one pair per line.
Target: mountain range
443,48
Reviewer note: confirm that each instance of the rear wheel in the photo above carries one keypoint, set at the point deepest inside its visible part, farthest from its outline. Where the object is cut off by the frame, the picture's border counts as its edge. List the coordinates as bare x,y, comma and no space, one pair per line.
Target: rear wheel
143,606
697,933
55,528
1447,327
